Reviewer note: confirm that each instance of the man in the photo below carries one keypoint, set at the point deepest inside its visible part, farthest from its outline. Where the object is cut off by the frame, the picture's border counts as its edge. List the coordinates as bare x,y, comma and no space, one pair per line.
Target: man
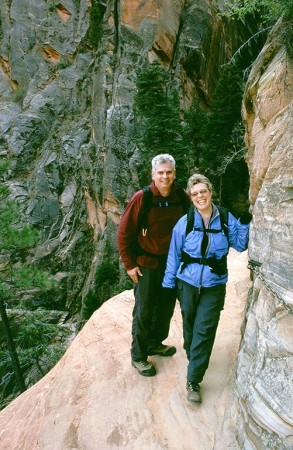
143,251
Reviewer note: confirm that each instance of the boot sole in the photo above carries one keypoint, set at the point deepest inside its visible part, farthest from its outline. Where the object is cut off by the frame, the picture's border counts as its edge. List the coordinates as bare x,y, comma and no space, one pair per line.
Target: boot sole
194,401
146,373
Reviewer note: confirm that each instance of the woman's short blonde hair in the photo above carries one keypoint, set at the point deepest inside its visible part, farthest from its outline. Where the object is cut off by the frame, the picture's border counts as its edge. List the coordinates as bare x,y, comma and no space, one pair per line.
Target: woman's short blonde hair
198,178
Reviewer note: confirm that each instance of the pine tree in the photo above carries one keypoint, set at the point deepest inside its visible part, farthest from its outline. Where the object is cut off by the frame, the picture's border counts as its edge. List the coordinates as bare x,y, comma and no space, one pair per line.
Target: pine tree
158,122
225,114
195,124
31,343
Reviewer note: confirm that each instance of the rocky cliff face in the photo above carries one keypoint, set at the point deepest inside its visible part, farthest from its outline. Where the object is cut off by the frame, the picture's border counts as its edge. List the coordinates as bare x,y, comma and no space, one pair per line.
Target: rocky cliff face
264,374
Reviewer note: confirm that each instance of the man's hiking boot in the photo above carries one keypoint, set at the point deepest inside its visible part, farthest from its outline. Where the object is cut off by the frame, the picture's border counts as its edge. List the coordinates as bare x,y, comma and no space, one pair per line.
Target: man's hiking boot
193,392
162,350
144,367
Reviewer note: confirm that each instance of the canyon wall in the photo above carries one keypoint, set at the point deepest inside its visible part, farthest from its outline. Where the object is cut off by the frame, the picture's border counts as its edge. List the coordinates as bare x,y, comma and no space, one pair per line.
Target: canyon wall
264,373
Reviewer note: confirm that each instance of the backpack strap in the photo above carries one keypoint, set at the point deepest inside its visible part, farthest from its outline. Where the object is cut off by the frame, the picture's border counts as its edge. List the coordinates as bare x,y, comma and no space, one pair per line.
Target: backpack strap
218,266
146,206
223,218
190,220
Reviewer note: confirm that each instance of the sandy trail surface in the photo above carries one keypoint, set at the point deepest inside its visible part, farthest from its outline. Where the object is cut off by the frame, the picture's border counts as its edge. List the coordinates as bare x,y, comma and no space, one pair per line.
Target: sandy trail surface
93,399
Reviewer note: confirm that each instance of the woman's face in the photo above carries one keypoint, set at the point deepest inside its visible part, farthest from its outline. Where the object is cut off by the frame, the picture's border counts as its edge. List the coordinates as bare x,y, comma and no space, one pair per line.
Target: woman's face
201,197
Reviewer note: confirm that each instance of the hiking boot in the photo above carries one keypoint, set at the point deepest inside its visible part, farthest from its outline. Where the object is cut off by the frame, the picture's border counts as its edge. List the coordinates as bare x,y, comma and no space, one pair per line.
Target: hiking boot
162,350
193,392
144,367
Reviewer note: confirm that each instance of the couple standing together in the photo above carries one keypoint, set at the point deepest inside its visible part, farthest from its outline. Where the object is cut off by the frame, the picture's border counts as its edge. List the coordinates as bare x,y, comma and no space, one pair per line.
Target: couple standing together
166,261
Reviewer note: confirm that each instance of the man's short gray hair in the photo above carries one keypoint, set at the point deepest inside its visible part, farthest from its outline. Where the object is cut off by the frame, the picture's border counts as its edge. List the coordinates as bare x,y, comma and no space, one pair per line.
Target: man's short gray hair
163,158
198,178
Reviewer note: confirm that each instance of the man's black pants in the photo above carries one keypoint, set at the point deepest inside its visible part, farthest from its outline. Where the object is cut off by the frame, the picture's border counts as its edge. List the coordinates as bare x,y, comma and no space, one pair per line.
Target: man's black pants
152,312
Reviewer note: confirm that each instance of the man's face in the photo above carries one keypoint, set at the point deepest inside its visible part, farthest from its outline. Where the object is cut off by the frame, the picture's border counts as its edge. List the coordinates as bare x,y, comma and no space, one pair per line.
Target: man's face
163,177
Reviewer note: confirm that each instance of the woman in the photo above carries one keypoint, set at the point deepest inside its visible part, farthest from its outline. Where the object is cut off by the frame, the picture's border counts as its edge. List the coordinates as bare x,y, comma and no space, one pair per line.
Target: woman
197,265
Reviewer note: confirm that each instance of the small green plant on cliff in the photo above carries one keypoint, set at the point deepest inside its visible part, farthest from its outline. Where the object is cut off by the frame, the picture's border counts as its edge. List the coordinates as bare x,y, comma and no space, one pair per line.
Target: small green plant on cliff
52,7
96,27
18,95
270,10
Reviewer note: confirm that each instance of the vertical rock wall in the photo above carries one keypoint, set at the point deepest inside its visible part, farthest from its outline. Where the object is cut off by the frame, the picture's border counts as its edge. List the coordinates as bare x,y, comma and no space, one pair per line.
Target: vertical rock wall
265,367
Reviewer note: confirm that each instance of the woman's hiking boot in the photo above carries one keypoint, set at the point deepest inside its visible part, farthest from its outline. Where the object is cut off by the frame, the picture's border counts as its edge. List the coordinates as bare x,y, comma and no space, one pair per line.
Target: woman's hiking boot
193,392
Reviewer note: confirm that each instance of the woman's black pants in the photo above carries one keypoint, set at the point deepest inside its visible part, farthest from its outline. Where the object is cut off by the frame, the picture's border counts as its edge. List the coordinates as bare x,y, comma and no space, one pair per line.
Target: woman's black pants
200,309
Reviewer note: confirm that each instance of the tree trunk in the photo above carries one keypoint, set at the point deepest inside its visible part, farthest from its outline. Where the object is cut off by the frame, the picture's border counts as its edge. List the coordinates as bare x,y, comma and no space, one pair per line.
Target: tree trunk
11,347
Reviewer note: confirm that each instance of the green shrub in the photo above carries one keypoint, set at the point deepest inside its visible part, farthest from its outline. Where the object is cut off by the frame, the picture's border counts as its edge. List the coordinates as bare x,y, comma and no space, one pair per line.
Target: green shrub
96,26
29,347
18,95
270,10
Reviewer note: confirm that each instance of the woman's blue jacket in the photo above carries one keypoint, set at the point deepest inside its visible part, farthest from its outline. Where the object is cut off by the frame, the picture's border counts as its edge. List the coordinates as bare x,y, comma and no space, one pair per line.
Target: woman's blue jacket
196,274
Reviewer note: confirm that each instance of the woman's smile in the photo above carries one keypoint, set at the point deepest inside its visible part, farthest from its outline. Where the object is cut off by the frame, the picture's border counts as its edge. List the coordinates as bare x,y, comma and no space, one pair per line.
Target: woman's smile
201,197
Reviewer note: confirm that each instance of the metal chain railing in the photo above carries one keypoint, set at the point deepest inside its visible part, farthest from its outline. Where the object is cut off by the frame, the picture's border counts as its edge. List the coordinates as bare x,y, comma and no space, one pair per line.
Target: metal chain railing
255,267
